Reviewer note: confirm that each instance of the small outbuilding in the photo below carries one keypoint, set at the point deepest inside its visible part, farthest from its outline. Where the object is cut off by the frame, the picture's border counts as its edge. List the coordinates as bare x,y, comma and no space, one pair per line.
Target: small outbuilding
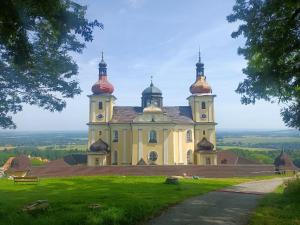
283,163
17,166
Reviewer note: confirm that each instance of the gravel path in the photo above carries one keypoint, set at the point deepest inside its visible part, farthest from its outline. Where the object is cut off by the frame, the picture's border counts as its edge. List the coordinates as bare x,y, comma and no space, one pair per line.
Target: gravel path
230,206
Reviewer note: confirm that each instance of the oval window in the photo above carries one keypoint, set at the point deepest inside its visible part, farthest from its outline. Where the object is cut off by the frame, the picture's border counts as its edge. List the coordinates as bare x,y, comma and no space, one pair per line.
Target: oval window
152,156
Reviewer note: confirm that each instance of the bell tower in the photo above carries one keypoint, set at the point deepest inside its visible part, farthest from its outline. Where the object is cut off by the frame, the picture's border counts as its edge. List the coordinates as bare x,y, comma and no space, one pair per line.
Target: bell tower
201,102
202,99
101,112
102,100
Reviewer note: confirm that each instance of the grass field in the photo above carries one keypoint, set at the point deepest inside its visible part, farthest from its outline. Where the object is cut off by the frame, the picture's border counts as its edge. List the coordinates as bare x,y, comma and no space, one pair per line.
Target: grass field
279,208
124,200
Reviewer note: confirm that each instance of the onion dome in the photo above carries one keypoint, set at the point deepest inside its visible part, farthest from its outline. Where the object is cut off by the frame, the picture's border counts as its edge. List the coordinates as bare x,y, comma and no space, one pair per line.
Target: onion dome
200,86
205,145
102,86
100,147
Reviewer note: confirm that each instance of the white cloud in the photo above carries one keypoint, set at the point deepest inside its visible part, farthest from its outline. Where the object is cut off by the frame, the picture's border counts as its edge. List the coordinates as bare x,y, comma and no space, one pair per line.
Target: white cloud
136,3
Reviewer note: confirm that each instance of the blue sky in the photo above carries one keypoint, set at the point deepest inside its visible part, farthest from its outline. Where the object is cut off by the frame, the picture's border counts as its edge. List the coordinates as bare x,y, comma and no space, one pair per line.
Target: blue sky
160,38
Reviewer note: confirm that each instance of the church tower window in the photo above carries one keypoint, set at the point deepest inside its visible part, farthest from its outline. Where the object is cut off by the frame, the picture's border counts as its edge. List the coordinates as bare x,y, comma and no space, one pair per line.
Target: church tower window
100,106
203,105
152,136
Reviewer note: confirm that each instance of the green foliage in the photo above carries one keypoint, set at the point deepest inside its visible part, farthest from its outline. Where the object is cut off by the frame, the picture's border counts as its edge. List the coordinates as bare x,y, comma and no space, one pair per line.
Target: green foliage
124,200
280,207
272,32
36,38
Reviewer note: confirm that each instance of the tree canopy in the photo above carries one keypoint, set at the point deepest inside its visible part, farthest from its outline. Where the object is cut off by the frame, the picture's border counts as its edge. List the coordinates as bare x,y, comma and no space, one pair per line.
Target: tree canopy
36,39
272,49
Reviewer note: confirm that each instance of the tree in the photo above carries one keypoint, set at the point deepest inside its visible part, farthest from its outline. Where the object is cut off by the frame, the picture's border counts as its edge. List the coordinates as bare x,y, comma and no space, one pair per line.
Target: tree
36,39
272,49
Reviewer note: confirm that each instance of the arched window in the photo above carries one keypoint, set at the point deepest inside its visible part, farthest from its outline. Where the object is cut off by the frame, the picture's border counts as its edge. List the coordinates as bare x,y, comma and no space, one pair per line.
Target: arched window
115,136
152,136
189,136
152,156
97,163
189,157
115,162
203,105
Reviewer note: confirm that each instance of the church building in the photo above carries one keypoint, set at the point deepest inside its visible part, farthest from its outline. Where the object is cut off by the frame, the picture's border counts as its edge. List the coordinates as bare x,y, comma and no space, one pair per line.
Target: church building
152,133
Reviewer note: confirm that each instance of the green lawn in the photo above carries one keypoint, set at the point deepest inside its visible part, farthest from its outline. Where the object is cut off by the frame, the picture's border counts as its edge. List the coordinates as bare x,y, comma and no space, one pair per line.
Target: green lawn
125,200
279,208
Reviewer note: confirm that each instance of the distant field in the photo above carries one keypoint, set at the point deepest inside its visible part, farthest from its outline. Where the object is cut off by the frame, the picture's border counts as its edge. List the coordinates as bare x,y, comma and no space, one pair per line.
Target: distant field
245,148
260,140
79,147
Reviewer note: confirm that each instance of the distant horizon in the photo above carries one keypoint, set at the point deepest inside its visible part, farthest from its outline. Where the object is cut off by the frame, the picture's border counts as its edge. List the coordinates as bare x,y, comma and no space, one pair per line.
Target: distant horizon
220,129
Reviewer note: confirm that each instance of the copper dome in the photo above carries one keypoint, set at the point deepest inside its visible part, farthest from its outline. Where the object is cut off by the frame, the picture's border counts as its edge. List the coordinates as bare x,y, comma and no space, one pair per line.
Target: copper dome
200,86
102,86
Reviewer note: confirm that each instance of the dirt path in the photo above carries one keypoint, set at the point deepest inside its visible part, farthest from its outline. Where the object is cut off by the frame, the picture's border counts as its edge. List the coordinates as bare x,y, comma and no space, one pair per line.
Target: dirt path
230,206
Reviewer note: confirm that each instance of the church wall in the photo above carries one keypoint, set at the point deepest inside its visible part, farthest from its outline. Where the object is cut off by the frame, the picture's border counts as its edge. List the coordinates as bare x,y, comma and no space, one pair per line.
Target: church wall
142,147
124,144
180,144
202,159
101,160
171,146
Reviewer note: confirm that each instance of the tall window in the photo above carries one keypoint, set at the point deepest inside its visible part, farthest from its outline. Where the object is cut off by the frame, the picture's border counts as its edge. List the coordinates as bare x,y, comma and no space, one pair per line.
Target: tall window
189,136
115,136
152,136
100,105
189,157
115,157
203,105
203,132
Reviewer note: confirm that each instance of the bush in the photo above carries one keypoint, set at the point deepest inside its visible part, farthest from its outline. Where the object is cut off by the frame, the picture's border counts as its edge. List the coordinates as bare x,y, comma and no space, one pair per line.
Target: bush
293,188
